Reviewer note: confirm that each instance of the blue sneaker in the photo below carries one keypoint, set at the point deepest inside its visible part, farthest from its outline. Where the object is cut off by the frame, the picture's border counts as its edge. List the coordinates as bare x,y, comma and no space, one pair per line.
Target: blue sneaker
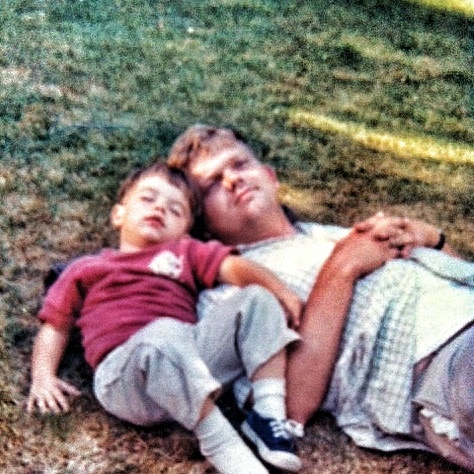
274,440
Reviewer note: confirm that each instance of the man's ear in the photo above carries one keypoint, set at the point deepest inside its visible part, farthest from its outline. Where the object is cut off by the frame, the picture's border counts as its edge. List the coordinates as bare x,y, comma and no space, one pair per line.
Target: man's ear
271,173
116,215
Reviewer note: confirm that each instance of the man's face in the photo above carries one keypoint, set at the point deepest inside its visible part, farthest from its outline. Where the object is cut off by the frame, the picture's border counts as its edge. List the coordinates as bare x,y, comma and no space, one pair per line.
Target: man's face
153,211
237,190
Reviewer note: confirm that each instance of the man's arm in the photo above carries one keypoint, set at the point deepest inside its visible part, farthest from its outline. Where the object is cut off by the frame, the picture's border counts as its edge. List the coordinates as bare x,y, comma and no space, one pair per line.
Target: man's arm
238,271
48,393
311,363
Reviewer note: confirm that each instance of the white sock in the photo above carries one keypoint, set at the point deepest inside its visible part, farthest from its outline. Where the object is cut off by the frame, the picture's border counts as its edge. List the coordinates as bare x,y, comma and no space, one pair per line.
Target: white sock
269,398
224,448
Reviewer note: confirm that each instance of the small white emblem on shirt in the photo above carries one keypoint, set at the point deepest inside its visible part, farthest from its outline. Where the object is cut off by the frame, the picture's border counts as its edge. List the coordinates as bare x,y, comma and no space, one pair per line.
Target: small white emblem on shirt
167,263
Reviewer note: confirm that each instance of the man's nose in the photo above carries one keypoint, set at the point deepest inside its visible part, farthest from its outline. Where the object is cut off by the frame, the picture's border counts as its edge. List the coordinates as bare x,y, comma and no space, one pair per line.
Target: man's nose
229,179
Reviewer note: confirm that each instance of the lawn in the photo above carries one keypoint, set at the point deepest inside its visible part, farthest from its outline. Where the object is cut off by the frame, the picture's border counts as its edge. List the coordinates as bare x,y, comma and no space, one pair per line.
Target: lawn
360,105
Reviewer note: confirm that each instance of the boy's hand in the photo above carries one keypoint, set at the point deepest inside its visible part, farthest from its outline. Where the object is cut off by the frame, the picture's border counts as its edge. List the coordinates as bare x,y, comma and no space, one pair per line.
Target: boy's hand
51,395
48,393
236,270
293,306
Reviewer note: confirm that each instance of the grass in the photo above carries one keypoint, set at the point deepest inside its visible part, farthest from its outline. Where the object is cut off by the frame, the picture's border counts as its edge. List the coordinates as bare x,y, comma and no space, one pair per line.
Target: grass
360,105
465,7
402,145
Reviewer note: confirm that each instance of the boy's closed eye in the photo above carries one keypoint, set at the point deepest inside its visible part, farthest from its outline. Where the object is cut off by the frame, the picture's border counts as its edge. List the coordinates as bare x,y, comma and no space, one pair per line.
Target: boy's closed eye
148,198
176,209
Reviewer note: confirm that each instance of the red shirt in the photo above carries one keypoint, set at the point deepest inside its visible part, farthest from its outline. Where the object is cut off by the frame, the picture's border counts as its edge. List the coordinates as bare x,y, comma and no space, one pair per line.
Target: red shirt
113,294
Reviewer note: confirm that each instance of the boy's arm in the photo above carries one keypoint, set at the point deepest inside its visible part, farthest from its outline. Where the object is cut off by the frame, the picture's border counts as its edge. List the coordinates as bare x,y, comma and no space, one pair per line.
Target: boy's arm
238,271
49,393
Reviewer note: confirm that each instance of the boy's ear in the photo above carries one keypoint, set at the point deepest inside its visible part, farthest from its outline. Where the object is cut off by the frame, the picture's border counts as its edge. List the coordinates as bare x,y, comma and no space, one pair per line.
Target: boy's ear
116,215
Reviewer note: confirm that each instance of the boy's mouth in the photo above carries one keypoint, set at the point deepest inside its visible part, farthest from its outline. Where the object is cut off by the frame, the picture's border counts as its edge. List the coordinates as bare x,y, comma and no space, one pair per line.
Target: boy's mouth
155,221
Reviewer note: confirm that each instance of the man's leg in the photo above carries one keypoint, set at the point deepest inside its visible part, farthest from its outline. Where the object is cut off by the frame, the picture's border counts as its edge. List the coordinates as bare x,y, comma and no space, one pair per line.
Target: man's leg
445,396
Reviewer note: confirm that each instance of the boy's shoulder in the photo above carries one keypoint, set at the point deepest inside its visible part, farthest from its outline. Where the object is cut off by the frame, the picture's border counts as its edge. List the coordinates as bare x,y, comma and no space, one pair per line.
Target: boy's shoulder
192,242
57,268
53,274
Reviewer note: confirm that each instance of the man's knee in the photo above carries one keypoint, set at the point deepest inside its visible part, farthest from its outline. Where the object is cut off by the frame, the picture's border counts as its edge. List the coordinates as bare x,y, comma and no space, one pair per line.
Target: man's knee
461,389
454,448
446,398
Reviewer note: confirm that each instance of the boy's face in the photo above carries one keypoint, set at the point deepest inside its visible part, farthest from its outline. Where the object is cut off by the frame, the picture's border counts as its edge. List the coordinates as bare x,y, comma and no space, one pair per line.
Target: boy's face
152,212
237,189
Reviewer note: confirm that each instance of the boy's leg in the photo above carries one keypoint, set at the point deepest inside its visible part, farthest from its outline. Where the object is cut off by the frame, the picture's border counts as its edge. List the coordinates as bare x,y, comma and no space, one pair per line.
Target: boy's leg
233,341
158,375
269,387
222,445
266,424
249,333
242,334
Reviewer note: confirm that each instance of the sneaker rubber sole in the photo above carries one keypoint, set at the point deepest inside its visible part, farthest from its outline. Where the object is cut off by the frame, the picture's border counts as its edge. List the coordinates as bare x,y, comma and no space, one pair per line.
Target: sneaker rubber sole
281,459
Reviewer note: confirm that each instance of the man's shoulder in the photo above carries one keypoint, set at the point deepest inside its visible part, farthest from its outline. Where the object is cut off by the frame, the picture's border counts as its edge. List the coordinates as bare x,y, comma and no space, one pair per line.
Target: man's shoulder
326,231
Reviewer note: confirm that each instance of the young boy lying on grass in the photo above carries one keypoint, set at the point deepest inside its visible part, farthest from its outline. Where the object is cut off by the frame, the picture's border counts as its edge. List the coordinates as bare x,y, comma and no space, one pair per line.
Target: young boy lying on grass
152,360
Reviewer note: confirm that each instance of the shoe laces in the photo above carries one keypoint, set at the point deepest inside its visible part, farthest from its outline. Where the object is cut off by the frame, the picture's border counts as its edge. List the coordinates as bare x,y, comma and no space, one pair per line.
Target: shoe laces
295,429
286,429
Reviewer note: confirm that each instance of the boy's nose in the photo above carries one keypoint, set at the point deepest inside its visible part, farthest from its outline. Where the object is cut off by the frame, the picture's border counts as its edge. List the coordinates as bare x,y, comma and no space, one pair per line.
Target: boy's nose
160,205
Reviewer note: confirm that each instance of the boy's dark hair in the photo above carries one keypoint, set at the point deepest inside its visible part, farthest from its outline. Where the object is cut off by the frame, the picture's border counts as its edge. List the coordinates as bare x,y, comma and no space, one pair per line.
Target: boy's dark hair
175,176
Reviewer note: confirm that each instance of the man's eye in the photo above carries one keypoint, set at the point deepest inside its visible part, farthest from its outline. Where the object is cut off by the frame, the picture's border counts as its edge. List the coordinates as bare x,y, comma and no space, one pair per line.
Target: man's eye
239,164
210,186
146,198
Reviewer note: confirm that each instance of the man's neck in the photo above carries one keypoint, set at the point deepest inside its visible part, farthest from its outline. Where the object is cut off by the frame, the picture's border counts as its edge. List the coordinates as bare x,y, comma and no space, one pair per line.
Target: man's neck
258,231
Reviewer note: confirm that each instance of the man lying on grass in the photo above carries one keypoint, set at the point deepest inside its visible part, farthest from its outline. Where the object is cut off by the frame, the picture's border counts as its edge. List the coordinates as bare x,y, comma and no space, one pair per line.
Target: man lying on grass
387,346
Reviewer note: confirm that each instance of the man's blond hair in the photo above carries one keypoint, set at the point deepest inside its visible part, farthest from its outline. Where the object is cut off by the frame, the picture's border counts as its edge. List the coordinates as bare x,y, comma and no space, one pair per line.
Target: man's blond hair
199,141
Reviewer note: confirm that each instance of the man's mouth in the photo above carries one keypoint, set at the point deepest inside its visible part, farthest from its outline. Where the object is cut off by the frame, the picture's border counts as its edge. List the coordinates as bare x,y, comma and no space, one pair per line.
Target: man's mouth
244,194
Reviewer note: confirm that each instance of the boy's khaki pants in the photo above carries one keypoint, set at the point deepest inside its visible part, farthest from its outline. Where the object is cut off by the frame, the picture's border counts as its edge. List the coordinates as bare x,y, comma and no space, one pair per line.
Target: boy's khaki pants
168,369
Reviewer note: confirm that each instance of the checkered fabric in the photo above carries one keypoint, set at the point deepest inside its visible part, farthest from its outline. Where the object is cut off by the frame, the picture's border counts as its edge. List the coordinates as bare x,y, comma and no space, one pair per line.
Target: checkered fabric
371,387
386,331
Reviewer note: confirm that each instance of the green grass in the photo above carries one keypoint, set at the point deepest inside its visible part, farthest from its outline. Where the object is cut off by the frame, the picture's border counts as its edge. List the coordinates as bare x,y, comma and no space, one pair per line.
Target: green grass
360,105
465,7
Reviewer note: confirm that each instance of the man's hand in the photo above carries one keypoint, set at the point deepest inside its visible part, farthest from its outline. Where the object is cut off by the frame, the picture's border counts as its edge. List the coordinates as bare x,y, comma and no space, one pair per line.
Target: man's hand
359,253
311,362
402,232
51,395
